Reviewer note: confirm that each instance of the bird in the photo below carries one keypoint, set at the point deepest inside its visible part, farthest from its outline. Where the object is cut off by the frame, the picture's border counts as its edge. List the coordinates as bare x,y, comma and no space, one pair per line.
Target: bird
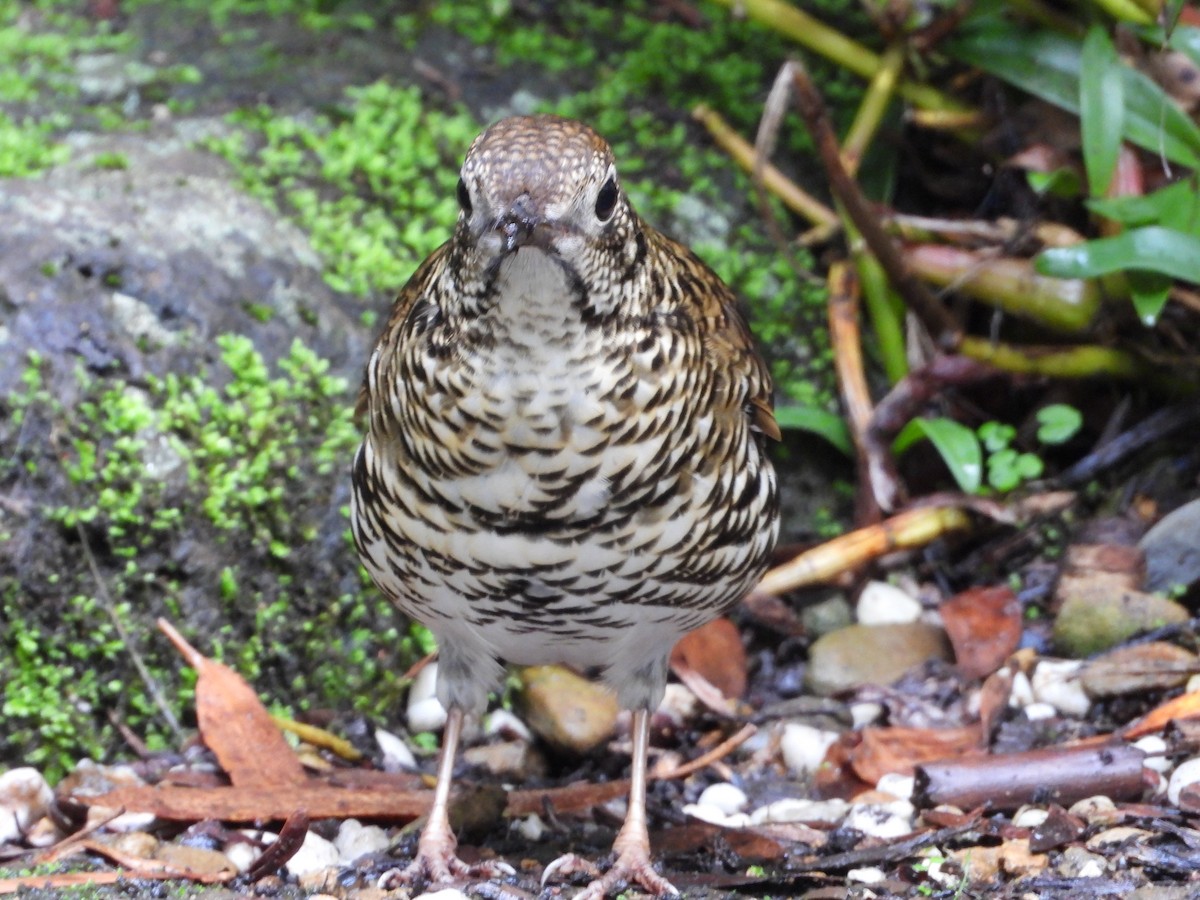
565,451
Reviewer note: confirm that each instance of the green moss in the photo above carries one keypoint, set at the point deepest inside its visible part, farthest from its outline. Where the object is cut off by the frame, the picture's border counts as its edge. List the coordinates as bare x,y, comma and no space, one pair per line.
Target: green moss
245,456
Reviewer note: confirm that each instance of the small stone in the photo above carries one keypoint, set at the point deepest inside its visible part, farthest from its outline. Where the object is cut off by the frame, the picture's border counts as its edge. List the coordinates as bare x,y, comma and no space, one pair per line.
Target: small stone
1186,773
503,723
444,894
865,713
872,654
24,798
1076,862
826,616
714,816
425,712
195,859
505,759
879,821
866,876
1090,621
243,854
804,747
1057,682
899,786
567,710
880,603
531,828
1096,810
727,798
397,755
315,855
678,704
1040,712
355,840
1155,749
1030,816
794,809
1172,549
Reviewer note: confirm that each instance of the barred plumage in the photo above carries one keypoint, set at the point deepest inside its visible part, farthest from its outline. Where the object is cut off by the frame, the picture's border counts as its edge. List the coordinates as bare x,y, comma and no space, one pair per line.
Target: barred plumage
564,454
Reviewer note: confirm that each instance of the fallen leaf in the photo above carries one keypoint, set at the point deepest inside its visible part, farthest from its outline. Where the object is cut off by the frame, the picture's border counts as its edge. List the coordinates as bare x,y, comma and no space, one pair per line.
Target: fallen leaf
984,626
715,651
235,725
884,750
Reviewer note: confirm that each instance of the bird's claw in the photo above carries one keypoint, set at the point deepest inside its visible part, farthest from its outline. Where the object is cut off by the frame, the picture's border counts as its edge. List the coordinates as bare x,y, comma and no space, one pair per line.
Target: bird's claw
439,865
632,867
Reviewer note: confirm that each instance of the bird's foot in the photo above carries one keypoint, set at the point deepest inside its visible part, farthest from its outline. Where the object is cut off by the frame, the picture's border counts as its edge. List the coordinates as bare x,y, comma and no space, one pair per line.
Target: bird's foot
631,868
436,863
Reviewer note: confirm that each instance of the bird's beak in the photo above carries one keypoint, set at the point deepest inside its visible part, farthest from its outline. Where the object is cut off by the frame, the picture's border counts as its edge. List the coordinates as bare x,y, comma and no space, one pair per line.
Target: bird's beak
523,225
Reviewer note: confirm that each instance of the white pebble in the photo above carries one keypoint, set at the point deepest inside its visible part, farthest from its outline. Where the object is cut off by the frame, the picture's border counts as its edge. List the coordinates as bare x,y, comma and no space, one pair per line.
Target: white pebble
724,796
24,798
506,724
866,876
1093,868
315,855
794,809
714,816
531,828
1039,712
443,894
679,704
425,713
355,840
1155,749
1021,692
883,604
881,821
1193,685
1186,773
1030,816
243,853
397,755
1056,681
804,747
865,713
899,786
1094,809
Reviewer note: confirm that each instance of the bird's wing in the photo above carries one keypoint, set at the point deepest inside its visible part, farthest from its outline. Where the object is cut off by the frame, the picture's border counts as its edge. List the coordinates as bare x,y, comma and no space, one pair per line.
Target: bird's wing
728,342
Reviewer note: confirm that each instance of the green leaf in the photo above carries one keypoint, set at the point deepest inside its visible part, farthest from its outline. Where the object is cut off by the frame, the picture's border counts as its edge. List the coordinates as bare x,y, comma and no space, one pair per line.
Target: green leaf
1101,108
1048,66
1149,292
819,422
1175,206
1150,249
956,444
1058,423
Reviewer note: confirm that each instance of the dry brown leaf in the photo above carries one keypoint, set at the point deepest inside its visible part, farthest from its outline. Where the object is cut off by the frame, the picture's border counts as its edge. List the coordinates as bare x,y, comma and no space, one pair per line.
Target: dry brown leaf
884,750
1185,706
984,626
235,725
715,651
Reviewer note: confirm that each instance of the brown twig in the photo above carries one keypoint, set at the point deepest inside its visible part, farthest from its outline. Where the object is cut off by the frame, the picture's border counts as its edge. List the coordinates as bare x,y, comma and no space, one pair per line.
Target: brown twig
917,297
720,751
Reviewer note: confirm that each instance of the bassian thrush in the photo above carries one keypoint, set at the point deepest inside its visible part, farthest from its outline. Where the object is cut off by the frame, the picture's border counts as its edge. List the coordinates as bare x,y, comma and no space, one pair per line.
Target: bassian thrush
564,458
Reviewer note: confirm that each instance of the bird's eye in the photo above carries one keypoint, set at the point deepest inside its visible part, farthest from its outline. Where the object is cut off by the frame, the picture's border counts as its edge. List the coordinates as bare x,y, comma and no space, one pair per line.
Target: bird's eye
606,200
464,197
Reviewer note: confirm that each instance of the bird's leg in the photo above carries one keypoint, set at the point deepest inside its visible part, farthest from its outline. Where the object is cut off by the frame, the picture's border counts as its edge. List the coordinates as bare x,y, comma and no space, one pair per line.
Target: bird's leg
436,861
632,845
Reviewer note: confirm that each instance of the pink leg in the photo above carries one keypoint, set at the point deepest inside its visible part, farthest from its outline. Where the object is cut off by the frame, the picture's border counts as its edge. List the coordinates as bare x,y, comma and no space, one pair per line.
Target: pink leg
436,861
632,845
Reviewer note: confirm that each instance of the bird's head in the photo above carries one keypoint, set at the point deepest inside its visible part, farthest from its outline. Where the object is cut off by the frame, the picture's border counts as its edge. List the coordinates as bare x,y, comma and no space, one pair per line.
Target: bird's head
546,184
